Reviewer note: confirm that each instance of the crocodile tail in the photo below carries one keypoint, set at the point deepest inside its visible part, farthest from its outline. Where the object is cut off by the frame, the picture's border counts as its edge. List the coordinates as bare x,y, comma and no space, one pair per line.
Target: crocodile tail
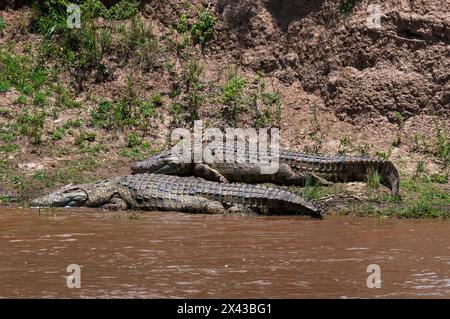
293,203
390,177
149,165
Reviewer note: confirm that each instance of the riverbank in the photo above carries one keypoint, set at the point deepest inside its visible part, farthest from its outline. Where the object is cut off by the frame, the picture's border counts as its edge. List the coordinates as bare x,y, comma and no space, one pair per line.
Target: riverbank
78,105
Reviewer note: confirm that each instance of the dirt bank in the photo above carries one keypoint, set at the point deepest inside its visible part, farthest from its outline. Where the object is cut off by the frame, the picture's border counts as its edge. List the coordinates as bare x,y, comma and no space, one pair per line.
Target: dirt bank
320,70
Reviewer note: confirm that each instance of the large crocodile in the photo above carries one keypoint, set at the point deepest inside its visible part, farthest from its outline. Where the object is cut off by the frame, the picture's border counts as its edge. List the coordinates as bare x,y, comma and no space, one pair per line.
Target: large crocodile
295,168
173,193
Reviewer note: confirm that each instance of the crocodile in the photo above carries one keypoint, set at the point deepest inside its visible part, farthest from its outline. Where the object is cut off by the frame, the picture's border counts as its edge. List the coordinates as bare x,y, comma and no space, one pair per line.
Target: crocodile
185,194
295,168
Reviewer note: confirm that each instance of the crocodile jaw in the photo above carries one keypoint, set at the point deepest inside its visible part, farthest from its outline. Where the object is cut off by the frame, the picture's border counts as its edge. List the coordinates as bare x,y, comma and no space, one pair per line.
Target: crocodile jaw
68,196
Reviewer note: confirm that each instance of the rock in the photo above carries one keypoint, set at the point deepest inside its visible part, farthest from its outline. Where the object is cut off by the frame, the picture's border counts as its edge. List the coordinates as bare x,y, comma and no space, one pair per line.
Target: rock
31,166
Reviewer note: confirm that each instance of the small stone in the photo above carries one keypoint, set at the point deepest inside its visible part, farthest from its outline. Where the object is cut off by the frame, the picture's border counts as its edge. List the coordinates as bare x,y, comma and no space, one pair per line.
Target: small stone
31,166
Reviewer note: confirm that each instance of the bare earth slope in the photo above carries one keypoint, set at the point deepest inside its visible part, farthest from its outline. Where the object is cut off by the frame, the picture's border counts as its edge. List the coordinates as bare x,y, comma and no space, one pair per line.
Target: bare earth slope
342,87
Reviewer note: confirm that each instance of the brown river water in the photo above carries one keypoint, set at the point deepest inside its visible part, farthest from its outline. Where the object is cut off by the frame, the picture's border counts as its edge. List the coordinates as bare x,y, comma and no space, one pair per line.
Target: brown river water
172,255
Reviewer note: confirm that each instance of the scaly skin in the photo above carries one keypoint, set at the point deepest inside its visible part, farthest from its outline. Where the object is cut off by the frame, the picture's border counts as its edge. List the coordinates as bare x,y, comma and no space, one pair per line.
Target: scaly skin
295,169
173,193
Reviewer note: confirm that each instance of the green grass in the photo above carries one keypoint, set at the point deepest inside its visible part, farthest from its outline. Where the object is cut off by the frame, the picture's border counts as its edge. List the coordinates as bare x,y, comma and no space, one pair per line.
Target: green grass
439,178
122,10
8,148
130,111
7,137
266,104
30,123
4,86
73,123
138,42
2,24
420,167
190,90
420,199
438,146
373,180
73,171
58,133
39,175
182,25
133,140
442,145
83,137
19,72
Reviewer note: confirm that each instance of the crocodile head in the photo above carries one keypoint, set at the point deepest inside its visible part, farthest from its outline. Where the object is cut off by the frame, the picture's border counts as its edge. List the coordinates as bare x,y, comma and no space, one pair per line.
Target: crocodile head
67,196
162,163
152,164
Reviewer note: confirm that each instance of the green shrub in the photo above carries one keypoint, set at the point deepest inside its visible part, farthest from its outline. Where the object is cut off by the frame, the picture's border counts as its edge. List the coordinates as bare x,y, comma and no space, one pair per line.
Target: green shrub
19,72
58,133
39,175
8,148
21,99
122,10
420,209
234,99
39,98
182,25
6,137
270,114
203,28
83,137
133,140
192,86
73,123
4,86
129,110
140,43
100,117
439,178
31,124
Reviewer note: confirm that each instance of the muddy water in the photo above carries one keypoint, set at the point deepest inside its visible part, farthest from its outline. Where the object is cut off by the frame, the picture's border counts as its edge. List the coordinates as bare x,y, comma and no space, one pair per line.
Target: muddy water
193,256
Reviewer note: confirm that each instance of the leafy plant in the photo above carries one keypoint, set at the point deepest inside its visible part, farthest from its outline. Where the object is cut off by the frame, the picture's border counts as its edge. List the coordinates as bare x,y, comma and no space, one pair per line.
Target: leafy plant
19,72
182,25
58,133
31,124
233,98
123,10
133,140
203,28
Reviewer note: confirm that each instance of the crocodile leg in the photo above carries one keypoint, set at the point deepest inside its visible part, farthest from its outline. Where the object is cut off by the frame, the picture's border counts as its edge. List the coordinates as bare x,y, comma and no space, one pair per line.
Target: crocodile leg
209,173
287,176
116,203
167,169
185,203
240,210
